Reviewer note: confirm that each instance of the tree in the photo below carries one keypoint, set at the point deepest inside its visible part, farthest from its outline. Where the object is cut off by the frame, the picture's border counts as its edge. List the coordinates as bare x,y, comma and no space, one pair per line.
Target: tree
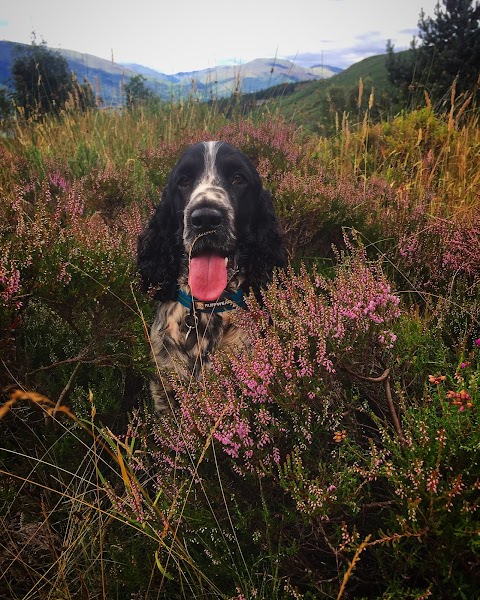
84,95
449,51
5,105
41,79
136,92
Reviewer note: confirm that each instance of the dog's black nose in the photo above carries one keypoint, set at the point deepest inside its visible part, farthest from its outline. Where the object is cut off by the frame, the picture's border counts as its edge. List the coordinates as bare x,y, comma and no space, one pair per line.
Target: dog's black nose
205,218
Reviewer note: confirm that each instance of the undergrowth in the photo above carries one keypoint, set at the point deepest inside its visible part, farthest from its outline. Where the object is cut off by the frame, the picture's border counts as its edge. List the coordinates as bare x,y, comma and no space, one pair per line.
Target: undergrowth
336,459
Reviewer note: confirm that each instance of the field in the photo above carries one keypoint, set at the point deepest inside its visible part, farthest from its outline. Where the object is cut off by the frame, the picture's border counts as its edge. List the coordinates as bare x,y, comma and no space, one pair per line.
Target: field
339,458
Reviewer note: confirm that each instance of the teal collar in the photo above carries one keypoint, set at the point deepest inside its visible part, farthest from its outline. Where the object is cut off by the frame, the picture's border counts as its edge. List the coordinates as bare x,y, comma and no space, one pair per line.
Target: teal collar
225,302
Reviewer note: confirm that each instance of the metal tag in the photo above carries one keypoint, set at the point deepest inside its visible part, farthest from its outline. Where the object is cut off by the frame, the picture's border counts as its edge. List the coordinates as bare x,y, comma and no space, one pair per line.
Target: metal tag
191,321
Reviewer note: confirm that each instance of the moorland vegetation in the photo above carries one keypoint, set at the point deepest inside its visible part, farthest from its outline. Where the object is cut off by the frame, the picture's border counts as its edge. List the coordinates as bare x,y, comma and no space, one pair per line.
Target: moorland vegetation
339,457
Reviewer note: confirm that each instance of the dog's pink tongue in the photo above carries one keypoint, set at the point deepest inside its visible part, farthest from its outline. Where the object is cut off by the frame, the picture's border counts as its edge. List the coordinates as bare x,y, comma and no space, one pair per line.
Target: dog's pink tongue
208,276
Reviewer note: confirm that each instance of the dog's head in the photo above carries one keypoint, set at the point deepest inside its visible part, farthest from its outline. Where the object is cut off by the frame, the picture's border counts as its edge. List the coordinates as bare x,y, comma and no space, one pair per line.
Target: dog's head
215,219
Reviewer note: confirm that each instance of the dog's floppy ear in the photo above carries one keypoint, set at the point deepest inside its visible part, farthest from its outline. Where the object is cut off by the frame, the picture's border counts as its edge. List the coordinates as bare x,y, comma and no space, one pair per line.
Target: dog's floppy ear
265,245
159,251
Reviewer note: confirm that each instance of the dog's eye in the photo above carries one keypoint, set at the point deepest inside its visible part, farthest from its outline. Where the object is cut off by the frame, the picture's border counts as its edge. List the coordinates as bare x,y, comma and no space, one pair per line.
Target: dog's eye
238,179
185,181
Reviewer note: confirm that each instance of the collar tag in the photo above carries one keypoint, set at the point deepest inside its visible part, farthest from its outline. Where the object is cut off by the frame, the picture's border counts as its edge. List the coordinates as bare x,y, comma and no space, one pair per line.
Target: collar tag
225,302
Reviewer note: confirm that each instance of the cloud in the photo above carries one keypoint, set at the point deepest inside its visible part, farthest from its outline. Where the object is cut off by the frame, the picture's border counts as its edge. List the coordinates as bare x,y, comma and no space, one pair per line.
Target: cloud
412,31
367,44
368,35
307,59
152,34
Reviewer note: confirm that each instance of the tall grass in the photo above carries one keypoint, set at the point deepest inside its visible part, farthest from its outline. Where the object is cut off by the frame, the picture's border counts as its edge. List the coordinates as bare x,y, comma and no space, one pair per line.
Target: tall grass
434,155
112,135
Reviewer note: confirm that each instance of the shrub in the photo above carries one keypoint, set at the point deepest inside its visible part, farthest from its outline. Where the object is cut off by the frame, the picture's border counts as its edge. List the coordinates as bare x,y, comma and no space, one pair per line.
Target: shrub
65,292
270,416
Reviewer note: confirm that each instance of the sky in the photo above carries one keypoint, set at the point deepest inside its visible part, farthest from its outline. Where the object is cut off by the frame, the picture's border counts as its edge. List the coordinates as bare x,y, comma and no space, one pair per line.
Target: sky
187,35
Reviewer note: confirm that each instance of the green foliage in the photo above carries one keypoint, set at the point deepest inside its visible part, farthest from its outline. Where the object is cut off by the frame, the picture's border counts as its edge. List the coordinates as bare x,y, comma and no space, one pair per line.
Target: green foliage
449,52
5,105
319,106
136,92
41,80
435,478
43,84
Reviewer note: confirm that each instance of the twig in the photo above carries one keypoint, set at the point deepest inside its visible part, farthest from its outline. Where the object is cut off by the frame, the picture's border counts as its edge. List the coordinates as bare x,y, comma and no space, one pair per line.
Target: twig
333,550
352,565
382,377
371,505
81,358
391,406
60,363
49,419
385,378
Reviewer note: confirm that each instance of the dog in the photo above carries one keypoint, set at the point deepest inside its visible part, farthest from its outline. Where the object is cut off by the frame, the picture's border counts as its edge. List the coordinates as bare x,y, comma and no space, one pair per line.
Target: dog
213,238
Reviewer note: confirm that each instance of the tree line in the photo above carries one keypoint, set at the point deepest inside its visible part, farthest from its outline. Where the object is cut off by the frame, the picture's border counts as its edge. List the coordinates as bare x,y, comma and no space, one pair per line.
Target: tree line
447,53
43,85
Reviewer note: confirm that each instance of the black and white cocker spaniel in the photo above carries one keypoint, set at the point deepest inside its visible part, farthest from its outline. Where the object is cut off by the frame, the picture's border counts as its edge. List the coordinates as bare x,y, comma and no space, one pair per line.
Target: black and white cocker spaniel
212,239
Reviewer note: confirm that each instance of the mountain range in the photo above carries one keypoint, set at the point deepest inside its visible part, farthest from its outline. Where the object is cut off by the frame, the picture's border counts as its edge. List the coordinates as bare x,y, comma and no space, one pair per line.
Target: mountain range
108,78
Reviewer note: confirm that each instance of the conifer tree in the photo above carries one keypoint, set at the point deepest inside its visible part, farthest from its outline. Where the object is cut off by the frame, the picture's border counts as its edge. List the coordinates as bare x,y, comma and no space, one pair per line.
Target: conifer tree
41,79
449,51
137,92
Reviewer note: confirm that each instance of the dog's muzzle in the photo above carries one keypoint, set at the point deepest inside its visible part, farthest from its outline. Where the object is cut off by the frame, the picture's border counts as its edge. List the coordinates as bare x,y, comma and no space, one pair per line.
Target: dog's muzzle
209,238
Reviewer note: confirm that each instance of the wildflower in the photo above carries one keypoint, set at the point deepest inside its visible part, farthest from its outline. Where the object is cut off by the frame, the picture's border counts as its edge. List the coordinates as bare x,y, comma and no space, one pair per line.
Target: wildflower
240,594
477,342
432,481
466,364
436,379
339,436
461,399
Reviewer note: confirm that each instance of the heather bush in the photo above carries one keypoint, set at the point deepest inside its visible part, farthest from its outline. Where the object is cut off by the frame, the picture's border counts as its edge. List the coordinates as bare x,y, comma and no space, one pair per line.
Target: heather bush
66,298
419,175
453,246
346,499
435,481
271,418
307,334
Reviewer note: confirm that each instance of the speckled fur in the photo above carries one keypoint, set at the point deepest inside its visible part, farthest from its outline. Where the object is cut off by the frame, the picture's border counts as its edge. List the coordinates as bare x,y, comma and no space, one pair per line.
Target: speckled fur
212,174
171,352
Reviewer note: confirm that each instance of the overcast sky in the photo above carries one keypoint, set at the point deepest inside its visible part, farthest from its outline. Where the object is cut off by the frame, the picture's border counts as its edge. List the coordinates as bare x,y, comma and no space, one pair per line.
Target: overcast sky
185,35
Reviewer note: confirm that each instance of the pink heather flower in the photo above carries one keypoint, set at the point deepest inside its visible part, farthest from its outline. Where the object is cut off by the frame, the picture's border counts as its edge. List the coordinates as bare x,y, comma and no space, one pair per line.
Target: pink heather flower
477,342
432,481
58,181
9,279
306,324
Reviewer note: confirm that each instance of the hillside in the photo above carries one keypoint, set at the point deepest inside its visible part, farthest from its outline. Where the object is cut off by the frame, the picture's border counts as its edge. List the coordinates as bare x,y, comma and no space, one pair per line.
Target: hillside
105,76
222,81
372,68
108,77
311,104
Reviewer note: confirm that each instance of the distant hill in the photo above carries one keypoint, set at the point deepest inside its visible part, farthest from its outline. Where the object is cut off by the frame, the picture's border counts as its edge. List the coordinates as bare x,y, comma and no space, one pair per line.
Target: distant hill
325,70
372,68
222,81
107,77
306,103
